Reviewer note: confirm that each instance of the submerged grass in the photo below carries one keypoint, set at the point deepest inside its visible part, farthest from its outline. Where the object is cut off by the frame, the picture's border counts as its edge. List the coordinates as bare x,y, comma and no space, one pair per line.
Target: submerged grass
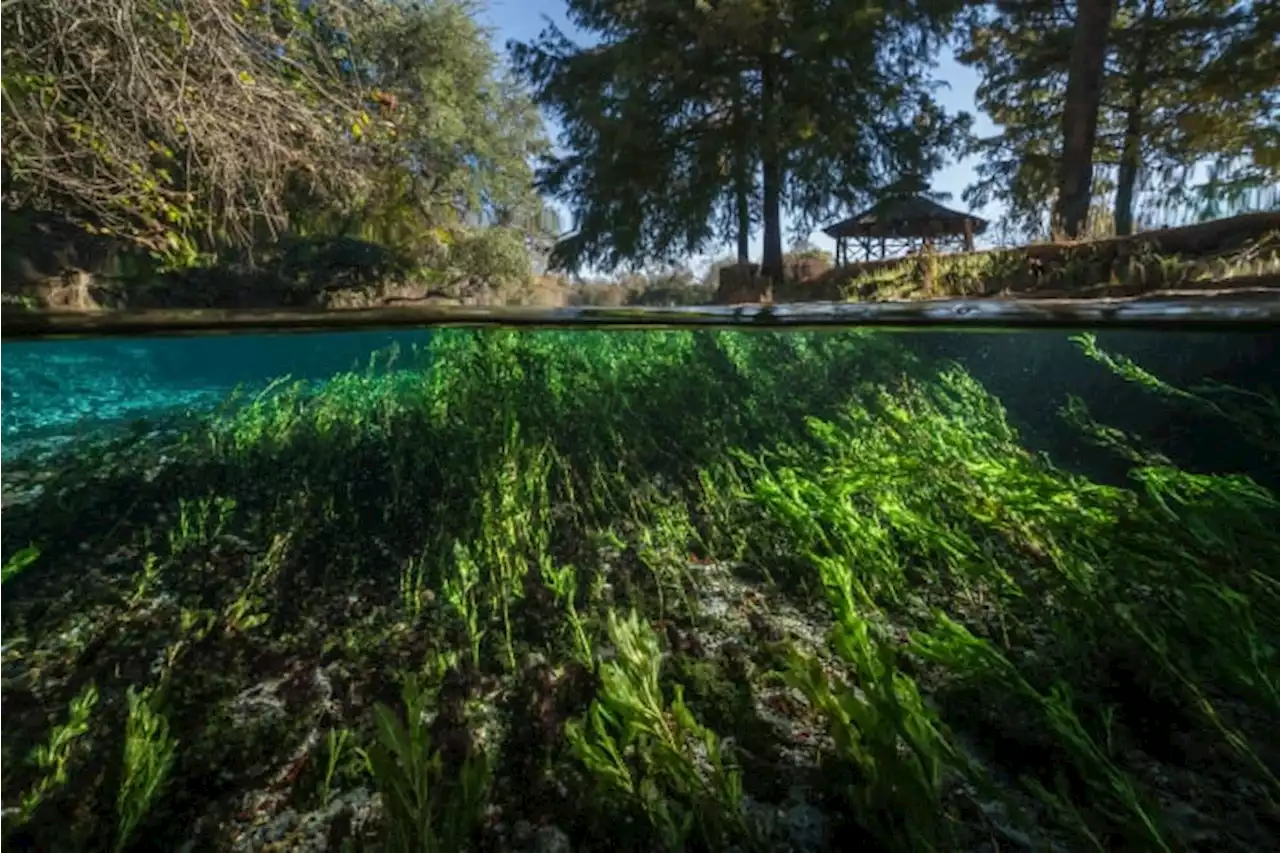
674,590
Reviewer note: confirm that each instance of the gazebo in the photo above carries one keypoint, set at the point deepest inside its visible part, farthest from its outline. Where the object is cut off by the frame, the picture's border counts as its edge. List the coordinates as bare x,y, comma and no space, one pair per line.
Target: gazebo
902,223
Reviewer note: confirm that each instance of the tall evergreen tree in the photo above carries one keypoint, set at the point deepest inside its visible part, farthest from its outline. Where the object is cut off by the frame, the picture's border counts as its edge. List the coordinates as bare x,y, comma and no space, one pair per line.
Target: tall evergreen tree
1140,56
1020,49
643,170
832,99
1189,84
1086,73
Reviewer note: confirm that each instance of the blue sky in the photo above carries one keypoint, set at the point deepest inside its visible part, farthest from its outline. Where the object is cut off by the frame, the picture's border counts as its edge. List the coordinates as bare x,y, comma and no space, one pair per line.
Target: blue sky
522,20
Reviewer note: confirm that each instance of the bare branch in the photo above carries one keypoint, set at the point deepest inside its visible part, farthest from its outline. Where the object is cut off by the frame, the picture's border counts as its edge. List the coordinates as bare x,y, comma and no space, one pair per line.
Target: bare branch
148,118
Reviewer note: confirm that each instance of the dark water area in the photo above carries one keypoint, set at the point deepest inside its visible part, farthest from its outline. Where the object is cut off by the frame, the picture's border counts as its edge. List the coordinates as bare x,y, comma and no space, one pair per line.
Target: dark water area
1033,374
530,591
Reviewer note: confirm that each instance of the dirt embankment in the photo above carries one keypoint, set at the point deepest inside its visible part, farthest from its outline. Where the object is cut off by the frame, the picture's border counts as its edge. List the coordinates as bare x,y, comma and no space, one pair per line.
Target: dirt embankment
1239,252
53,265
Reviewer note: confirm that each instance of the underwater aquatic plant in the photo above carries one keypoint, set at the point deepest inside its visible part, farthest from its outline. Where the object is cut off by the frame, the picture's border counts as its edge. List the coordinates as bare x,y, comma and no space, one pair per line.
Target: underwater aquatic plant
336,740
19,562
881,726
563,582
1253,413
428,812
148,757
640,747
54,757
1113,792
460,592
664,475
413,586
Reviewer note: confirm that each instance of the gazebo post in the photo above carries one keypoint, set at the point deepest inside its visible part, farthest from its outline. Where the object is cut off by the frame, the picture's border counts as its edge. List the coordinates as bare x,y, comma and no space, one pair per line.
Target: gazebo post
968,234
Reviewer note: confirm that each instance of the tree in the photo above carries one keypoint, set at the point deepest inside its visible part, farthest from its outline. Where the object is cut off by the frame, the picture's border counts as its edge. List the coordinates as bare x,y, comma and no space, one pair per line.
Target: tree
1159,87
208,128
1085,73
649,137
457,163
845,102
1220,61
1020,50
1189,84
743,173
174,126
833,97
1142,55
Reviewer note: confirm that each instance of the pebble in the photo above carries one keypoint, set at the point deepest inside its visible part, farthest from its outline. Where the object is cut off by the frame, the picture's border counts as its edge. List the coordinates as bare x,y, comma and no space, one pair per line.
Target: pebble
806,826
551,839
309,832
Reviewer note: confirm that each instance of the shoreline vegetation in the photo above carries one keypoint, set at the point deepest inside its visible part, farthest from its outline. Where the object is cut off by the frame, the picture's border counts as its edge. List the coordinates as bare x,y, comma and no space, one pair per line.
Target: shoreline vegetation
1241,252
366,153
665,590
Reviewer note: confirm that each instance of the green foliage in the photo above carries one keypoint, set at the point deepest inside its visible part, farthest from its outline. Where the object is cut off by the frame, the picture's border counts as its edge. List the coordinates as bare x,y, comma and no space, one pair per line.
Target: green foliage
53,758
641,749
927,490
1022,53
453,180
490,257
1165,105
427,810
19,562
460,592
336,740
1114,792
666,118
563,582
1004,633
382,120
148,758
165,149
1254,414
885,730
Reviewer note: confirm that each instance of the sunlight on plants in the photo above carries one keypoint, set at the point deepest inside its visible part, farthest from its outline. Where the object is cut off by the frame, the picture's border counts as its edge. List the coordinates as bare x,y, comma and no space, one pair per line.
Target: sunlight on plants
677,587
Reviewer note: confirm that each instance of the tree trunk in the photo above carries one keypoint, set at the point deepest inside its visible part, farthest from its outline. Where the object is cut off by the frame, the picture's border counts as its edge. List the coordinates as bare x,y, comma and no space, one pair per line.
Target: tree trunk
1080,113
771,168
1131,153
742,178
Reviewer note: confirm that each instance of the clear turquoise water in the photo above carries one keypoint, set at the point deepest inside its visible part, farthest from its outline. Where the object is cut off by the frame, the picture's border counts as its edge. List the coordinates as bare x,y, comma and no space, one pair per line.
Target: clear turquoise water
274,580
59,391
55,391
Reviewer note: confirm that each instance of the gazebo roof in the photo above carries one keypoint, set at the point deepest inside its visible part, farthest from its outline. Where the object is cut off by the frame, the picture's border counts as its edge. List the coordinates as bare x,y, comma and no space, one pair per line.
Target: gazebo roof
906,216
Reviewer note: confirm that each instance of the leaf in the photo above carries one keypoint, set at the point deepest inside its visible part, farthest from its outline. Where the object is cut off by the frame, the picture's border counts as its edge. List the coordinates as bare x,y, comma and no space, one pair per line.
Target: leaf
19,562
